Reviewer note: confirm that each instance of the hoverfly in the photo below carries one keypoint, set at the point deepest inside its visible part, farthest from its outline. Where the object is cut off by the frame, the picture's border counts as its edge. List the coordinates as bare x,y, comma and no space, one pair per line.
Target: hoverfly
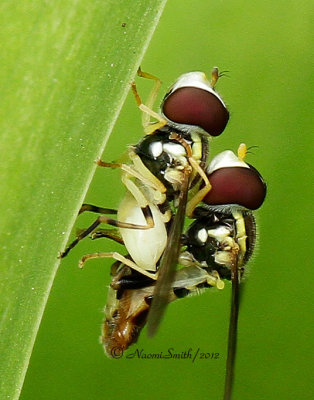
164,166
216,246
223,235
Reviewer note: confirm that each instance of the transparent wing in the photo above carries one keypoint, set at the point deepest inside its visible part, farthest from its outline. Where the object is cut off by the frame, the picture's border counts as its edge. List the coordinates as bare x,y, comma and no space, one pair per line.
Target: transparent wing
233,329
168,263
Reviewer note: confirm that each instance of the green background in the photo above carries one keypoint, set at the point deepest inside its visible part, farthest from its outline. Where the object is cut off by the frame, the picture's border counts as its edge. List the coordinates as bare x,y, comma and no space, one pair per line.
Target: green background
265,46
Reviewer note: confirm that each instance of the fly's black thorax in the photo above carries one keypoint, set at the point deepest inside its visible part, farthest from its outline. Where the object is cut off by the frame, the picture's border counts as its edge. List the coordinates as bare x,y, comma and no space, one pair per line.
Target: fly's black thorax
166,158
216,239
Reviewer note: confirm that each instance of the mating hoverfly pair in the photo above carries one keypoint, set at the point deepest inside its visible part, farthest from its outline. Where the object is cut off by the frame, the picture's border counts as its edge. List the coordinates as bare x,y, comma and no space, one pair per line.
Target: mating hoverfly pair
169,177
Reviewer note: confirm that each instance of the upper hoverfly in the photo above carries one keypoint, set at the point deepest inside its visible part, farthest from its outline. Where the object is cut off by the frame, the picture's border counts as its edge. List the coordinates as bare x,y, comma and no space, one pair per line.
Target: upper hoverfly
164,166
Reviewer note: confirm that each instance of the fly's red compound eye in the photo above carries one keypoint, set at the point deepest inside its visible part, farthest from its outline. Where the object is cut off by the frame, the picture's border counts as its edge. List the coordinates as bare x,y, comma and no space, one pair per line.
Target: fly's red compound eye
193,101
235,184
194,106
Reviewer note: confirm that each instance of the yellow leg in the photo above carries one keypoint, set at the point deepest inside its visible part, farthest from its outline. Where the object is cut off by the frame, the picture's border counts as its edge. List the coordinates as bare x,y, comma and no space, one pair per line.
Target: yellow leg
137,170
154,92
201,193
118,257
196,167
242,151
148,177
149,128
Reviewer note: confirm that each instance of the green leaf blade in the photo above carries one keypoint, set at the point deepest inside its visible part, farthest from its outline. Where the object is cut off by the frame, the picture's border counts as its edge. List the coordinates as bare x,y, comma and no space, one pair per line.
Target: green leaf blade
66,74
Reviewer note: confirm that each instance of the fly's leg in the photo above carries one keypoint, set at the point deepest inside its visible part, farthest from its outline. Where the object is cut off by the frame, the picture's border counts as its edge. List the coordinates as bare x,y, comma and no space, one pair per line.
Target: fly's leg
139,170
103,219
141,200
112,234
96,209
147,109
118,257
154,92
198,169
198,197
242,151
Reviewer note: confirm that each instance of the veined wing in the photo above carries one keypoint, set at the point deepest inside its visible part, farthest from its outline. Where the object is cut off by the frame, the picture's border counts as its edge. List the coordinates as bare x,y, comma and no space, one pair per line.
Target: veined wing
168,263
233,328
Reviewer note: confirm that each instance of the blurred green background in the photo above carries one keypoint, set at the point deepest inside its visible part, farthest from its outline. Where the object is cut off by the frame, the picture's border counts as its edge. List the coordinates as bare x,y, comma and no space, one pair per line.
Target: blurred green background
266,48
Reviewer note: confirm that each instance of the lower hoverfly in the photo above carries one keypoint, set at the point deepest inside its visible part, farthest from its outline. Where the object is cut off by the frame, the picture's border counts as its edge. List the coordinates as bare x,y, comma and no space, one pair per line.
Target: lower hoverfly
223,234
216,245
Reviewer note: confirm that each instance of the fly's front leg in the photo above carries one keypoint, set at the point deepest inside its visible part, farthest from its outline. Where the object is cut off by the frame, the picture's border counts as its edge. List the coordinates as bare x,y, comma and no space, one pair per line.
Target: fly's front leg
154,92
198,169
147,109
145,176
137,170
242,152
118,257
198,197
132,186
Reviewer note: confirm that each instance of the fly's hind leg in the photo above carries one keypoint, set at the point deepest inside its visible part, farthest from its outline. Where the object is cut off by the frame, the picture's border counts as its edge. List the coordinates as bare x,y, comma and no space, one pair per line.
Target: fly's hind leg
142,202
112,234
96,209
136,192
103,219
118,257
